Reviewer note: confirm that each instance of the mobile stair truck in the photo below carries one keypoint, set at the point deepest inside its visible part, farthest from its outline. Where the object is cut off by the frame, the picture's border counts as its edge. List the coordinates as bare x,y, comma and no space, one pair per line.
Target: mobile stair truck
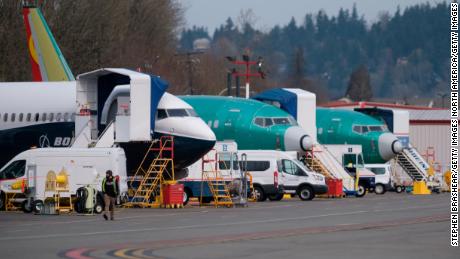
217,177
351,159
38,176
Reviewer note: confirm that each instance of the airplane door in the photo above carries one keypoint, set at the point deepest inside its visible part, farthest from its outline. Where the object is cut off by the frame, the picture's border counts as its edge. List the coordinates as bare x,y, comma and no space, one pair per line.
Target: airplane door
230,124
334,129
31,177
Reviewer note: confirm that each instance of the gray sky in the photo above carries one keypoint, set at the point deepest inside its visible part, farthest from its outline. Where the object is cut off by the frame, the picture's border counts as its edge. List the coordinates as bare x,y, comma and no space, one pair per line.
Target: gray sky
213,13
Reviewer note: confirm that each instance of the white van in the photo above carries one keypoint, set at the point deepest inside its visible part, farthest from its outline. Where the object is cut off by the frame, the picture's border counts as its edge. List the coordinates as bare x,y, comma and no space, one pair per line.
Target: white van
26,173
382,177
276,172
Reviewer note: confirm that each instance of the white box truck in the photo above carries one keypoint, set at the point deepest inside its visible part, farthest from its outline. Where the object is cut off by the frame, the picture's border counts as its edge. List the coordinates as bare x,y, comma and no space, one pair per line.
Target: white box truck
26,174
276,172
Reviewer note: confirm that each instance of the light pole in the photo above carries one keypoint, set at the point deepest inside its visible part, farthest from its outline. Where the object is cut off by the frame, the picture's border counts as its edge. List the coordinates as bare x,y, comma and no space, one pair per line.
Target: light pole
247,74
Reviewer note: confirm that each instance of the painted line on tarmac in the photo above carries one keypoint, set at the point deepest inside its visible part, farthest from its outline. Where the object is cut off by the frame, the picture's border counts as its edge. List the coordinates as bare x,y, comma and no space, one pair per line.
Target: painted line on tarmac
205,225
130,250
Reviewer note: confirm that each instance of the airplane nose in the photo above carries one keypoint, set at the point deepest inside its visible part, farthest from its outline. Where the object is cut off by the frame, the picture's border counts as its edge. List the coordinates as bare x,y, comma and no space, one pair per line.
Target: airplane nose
389,146
296,139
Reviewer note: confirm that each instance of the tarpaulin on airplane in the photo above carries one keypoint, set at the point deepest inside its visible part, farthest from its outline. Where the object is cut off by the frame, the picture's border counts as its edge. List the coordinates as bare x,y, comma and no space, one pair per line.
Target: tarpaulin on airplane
157,89
286,99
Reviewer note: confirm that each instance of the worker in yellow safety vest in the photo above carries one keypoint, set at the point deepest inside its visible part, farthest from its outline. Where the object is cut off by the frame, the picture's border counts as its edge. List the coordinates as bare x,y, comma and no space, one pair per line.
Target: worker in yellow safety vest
110,188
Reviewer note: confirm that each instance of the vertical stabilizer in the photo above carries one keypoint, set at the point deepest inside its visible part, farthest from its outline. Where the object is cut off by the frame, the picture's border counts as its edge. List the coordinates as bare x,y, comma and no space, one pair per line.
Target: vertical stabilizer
48,63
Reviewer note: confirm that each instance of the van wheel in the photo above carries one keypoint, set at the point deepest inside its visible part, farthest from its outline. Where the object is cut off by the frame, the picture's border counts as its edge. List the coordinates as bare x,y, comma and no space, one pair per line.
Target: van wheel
259,193
38,206
98,208
26,206
361,191
186,196
306,193
399,189
380,189
276,197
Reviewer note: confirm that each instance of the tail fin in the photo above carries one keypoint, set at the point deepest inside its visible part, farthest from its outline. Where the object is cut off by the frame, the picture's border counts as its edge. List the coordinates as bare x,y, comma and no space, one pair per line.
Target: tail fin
48,63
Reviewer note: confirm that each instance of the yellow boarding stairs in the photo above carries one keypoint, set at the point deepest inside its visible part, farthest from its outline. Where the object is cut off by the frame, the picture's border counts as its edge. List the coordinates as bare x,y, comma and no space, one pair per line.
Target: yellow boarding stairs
216,182
160,160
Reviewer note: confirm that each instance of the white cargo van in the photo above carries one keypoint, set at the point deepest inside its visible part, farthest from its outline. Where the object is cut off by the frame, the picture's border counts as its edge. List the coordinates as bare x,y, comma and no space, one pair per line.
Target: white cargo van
276,172
84,166
382,177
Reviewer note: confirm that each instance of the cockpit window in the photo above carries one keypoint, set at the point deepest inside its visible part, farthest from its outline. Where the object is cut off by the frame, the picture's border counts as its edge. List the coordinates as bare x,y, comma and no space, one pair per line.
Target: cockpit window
15,170
259,121
365,129
162,114
281,121
192,113
375,128
267,122
358,129
177,113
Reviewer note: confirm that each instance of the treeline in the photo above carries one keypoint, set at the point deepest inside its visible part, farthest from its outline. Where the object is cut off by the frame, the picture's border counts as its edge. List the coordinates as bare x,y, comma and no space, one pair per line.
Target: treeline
406,53
401,55
136,34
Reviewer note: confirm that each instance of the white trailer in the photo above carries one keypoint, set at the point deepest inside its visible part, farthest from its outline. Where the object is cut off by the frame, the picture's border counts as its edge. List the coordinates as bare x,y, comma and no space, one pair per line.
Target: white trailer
26,174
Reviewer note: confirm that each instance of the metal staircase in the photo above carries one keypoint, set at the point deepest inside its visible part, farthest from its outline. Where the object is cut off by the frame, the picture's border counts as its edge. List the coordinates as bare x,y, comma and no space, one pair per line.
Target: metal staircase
216,182
413,164
148,182
323,161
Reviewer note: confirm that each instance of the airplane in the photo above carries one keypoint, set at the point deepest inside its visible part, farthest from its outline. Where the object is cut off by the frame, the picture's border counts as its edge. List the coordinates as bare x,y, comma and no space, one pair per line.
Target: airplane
337,126
42,114
252,124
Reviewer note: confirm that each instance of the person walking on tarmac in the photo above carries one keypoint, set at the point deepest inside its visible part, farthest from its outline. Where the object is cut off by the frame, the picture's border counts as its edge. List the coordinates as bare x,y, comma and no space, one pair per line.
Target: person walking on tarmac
110,189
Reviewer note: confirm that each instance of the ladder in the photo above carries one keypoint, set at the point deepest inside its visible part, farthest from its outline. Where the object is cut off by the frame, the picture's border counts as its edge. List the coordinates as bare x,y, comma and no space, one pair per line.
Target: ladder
160,154
321,160
216,182
413,164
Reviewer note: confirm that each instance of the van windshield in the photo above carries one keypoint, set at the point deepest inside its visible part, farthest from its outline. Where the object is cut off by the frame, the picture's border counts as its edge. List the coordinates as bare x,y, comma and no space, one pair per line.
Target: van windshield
14,170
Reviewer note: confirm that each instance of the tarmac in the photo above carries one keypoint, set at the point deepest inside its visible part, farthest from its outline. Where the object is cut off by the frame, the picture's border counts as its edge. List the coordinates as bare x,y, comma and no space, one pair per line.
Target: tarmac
375,226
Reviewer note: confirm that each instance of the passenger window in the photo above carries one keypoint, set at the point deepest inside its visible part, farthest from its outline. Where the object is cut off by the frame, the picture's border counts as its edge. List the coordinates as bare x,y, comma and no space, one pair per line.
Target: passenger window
216,124
66,116
29,117
51,116
37,117
44,117
58,116
13,117
5,117
72,117
14,170
21,117
255,166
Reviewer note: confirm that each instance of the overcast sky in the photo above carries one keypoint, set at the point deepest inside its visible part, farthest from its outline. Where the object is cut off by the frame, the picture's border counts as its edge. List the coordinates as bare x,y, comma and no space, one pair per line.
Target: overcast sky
213,13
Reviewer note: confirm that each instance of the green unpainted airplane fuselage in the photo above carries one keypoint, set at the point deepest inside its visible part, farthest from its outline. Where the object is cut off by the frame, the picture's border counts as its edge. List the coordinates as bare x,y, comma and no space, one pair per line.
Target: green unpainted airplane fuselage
252,124
337,126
